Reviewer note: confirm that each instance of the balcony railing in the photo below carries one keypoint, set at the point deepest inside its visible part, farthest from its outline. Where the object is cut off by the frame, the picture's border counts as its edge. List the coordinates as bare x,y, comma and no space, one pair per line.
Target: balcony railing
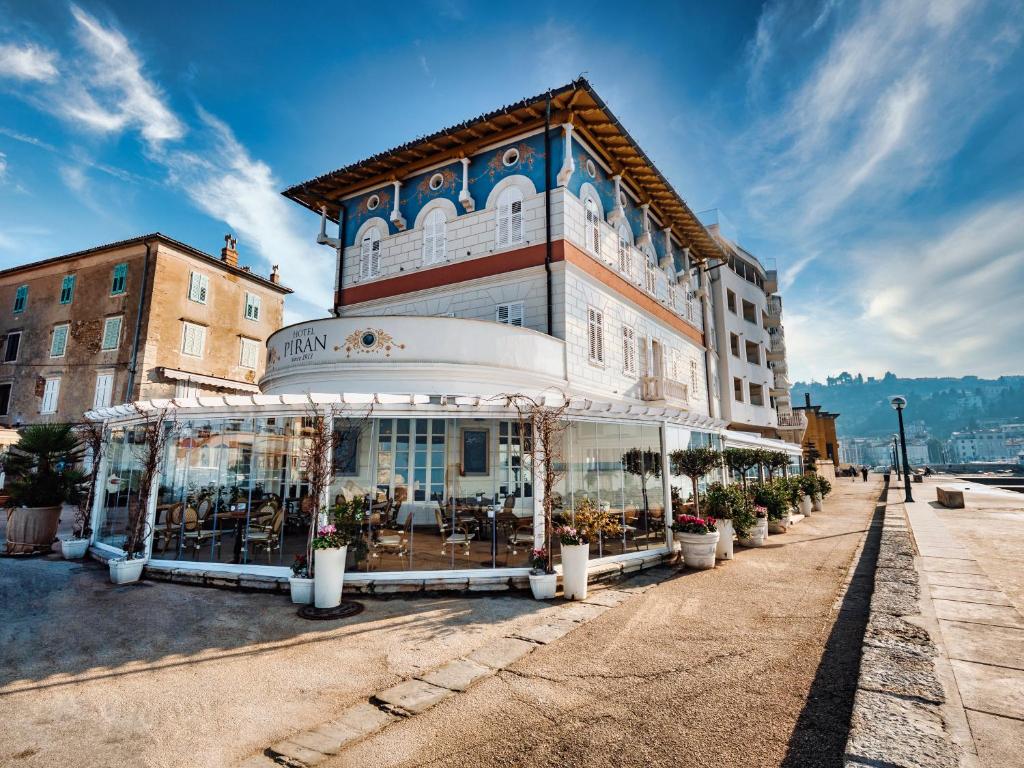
796,419
654,388
775,305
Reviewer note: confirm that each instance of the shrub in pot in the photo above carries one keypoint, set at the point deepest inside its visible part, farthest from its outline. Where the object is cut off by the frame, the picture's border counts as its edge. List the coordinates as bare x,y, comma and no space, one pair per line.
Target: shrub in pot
695,463
542,584
698,537
729,507
587,525
824,488
773,496
41,477
299,583
808,487
757,534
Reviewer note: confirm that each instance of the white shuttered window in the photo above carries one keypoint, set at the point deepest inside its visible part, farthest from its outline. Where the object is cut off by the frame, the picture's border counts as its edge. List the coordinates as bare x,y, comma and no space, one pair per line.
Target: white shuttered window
250,354
434,237
510,218
369,254
104,390
193,339
628,350
510,314
595,335
51,394
593,227
198,287
625,257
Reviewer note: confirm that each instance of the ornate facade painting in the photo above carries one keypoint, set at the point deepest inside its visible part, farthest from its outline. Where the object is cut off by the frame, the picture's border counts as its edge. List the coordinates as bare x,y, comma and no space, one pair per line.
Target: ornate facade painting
369,341
496,167
450,184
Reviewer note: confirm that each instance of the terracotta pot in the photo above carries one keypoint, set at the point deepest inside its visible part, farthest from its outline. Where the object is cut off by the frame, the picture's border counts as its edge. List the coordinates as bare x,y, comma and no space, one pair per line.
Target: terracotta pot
31,529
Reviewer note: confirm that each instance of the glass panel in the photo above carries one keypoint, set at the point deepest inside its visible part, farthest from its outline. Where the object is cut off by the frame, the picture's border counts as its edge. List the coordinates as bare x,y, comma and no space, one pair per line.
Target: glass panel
611,463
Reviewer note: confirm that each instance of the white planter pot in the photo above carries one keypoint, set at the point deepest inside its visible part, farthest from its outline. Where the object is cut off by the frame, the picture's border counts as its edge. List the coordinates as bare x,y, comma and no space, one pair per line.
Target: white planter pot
329,576
543,585
126,571
574,571
816,503
301,589
806,505
778,526
74,549
726,536
758,534
699,549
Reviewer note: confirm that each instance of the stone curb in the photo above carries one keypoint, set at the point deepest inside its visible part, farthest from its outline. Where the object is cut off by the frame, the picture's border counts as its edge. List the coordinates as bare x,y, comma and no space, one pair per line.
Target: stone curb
896,720
418,694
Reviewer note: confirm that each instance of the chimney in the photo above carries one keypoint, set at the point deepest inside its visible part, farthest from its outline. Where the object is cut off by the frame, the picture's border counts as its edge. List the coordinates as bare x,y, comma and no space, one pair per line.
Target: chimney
807,399
228,254
275,275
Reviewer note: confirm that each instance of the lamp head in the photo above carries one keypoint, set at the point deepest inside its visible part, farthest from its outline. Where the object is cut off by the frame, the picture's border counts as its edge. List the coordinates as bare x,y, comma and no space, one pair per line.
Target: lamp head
898,402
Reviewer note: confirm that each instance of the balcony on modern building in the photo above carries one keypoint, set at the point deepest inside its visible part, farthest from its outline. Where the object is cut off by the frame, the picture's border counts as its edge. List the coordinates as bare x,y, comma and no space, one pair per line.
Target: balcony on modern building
400,354
792,425
780,385
661,389
776,347
771,281
773,317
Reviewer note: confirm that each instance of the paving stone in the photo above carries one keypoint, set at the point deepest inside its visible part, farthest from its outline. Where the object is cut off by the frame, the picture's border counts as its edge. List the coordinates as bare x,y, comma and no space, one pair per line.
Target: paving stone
185,576
580,612
317,741
396,587
489,584
293,751
890,731
972,580
262,583
362,719
608,597
632,566
546,633
968,595
949,565
457,675
983,643
900,672
445,585
997,690
501,653
259,761
412,697
999,615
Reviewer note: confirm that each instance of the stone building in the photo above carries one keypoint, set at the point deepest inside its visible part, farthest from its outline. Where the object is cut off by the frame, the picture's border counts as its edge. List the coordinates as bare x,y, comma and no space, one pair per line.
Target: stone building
148,317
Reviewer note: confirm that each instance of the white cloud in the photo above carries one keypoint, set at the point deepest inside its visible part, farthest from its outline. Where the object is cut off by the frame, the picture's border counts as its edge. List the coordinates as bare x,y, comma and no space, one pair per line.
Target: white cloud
74,178
3,167
28,62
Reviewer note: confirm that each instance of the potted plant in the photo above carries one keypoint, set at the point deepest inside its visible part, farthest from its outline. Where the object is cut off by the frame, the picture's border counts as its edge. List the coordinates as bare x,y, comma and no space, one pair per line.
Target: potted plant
542,584
694,463
589,522
330,546
730,508
41,478
774,496
698,537
149,441
823,488
91,436
300,584
808,487
757,534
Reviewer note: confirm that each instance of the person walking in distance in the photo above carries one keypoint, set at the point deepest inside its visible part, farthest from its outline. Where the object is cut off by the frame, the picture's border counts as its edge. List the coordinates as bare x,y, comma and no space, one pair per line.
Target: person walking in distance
864,473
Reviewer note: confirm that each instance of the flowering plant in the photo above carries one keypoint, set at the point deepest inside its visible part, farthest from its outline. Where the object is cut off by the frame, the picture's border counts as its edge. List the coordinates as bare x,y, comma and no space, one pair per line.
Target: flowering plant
760,511
539,559
328,537
300,567
588,523
691,524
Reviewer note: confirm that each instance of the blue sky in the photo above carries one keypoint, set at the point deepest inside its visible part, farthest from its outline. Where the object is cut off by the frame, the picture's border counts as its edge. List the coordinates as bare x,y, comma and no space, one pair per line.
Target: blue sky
874,149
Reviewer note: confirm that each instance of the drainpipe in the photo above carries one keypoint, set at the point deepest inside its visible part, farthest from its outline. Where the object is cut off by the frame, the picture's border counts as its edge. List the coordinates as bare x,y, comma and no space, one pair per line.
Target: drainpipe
547,208
339,301
132,366
705,293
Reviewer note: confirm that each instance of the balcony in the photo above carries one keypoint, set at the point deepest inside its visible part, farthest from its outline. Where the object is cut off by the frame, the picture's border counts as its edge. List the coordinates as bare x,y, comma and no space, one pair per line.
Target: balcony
664,389
771,281
781,384
773,316
776,347
793,420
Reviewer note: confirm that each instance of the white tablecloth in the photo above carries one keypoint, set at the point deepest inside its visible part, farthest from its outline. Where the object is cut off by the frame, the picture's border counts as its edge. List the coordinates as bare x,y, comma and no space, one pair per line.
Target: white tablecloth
423,512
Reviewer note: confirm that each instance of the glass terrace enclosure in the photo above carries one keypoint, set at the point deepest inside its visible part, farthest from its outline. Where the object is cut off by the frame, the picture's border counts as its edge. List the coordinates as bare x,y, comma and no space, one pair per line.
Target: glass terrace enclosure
448,487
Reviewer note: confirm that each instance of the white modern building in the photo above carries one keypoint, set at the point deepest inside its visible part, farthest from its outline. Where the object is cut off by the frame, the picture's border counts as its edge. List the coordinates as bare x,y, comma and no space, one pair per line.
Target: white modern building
533,250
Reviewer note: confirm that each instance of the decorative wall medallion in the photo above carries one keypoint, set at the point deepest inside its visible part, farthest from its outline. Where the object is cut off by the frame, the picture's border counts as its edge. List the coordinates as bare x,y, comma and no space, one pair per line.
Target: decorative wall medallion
370,340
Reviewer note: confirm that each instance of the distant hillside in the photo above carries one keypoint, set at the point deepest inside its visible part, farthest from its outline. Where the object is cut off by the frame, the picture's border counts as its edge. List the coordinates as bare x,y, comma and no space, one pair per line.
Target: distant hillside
943,404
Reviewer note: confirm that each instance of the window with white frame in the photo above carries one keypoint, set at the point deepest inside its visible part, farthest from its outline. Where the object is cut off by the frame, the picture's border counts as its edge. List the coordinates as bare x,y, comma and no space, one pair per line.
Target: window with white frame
510,313
595,335
592,234
103,394
628,350
198,287
250,354
369,254
185,389
510,217
111,333
59,341
435,234
193,339
625,257
253,303
51,395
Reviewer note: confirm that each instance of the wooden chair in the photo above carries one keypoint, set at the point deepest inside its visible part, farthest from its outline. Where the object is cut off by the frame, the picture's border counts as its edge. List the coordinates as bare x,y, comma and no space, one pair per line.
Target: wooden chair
457,536
522,535
393,541
172,527
267,537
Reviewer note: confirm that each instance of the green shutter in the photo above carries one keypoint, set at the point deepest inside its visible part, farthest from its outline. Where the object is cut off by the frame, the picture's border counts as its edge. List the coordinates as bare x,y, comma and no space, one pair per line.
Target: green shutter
67,289
120,279
20,298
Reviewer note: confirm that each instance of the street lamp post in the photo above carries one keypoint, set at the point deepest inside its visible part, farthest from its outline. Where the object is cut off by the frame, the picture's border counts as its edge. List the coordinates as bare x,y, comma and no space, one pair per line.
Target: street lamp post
899,403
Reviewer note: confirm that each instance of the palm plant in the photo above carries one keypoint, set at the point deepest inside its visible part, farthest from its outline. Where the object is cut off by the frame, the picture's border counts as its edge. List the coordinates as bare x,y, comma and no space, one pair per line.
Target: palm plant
41,466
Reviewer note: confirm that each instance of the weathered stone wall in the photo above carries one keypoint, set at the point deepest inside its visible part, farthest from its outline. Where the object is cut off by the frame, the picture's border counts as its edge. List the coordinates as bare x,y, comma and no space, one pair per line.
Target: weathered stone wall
896,717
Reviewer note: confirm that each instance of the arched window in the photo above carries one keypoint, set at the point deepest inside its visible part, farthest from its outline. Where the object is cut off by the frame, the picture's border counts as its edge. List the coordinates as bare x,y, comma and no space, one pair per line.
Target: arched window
434,237
625,257
510,217
592,235
369,254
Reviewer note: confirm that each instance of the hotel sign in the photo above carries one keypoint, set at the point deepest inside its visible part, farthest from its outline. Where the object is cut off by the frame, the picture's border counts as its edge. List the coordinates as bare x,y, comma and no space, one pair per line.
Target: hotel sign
327,341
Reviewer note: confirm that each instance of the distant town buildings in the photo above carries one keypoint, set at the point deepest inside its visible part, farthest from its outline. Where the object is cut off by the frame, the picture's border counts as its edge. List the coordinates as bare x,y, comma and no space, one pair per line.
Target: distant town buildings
141,318
1000,444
